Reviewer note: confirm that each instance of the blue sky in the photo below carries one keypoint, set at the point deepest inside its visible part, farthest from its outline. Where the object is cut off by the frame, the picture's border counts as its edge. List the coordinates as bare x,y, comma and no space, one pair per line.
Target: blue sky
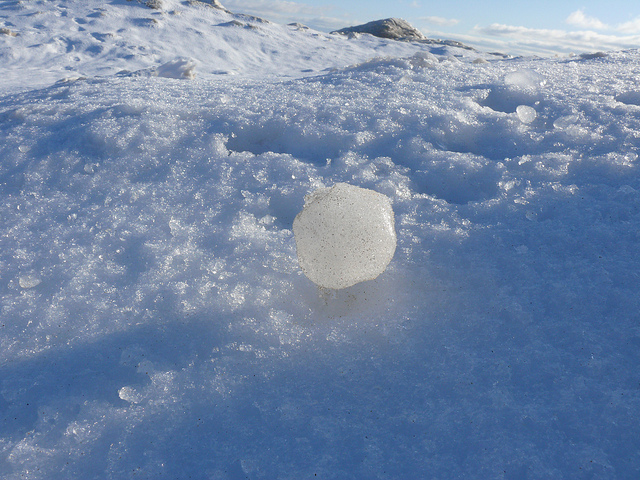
543,27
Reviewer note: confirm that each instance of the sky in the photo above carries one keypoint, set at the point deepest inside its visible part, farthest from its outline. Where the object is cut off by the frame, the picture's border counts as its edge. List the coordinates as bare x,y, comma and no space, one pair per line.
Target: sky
543,27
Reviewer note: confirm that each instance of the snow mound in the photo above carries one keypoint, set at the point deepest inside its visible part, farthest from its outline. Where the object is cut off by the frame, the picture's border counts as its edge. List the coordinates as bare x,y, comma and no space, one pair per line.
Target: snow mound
150,286
393,28
344,235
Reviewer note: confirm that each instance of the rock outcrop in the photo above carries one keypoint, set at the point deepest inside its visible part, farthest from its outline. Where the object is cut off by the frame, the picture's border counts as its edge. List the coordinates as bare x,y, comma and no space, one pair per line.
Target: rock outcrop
397,29
393,28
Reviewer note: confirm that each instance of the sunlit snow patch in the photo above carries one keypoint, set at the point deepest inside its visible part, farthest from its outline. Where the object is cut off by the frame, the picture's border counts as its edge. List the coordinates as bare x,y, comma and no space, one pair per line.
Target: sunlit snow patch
344,235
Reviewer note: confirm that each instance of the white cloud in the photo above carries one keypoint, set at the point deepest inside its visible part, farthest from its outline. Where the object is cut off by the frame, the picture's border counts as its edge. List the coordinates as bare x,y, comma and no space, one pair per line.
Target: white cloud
523,40
631,27
579,19
444,22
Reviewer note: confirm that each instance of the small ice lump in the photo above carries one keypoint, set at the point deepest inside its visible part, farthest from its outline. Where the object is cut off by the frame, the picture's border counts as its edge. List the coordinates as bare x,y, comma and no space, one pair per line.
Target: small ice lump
526,114
344,235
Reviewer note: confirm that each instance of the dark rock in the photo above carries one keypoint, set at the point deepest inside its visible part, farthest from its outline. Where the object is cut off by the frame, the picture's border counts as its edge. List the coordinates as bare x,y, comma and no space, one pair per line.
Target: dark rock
392,28
397,29
592,56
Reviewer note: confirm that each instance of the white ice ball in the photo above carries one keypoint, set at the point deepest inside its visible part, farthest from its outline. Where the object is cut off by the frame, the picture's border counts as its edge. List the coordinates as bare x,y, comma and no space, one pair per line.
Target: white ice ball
344,235
526,114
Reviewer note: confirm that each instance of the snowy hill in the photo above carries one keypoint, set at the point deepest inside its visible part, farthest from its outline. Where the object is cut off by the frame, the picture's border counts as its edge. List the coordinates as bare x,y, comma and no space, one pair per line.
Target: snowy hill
47,41
155,322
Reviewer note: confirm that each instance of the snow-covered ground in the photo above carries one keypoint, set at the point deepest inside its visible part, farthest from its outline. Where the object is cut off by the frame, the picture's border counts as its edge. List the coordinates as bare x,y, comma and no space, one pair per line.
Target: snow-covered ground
155,322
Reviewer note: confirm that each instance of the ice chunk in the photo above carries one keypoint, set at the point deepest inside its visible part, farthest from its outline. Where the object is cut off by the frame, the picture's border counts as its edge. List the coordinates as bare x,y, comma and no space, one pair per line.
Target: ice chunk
344,235
526,114
129,394
567,121
424,60
178,68
29,280
524,79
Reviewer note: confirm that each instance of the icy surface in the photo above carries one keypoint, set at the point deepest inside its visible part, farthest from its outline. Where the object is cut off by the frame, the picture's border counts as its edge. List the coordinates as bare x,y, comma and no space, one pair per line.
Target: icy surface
154,320
344,235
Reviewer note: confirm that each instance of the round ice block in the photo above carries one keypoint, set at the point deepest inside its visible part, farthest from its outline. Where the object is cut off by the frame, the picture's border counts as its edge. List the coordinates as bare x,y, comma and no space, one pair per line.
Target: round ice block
526,114
344,235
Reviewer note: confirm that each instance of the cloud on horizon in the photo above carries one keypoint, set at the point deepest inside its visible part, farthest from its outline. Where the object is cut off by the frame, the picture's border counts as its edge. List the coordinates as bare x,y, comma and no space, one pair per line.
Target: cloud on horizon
579,19
631,27
545,42
443,22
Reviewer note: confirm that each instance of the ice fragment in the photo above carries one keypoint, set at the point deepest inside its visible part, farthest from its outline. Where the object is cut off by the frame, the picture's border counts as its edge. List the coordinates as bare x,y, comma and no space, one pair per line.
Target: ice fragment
180,68
344,235
526,114
524,79
29,281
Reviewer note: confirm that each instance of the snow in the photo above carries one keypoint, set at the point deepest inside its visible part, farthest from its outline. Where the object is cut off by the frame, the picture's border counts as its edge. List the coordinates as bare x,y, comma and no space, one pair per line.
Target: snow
344,235
71,38
155,322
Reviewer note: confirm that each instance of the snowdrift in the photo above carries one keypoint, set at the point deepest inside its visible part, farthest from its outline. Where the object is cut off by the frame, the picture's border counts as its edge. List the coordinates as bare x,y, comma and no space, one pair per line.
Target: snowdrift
155,322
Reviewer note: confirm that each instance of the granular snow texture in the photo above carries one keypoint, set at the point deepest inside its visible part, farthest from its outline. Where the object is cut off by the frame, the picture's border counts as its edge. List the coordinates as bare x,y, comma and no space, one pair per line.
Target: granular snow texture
154,320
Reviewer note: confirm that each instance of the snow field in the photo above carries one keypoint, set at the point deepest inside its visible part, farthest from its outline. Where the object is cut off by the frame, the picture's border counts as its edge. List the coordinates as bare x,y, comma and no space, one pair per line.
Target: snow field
155,322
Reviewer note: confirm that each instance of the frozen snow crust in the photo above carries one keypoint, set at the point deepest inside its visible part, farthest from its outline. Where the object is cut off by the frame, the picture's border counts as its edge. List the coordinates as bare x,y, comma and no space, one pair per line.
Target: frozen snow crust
154,320
344,235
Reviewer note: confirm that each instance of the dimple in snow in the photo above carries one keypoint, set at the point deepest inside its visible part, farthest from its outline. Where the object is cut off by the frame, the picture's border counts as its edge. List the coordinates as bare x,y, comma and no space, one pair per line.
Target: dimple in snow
344,235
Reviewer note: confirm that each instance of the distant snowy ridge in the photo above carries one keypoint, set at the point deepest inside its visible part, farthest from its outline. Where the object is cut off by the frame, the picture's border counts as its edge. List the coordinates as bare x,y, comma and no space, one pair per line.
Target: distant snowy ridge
161,4
94,38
